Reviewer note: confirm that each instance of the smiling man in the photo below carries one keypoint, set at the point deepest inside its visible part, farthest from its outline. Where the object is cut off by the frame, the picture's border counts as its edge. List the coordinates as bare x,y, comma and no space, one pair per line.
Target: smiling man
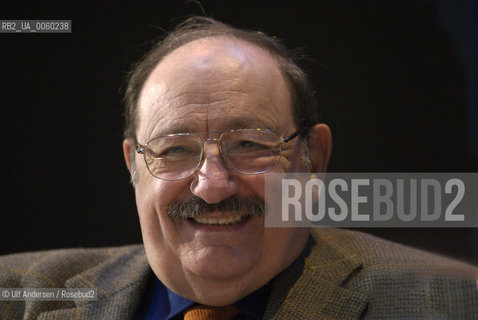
209,111
209,142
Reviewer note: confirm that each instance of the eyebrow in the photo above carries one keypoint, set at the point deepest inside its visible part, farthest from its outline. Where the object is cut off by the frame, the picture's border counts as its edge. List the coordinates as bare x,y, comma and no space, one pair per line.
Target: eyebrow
233,124
167,130
240,123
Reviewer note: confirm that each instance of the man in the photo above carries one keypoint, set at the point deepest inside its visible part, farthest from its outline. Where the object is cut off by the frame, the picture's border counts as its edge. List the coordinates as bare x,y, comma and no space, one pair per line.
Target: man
209,111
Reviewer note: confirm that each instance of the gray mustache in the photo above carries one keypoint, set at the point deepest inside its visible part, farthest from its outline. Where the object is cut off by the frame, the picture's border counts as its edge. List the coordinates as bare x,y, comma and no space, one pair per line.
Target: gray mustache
197,207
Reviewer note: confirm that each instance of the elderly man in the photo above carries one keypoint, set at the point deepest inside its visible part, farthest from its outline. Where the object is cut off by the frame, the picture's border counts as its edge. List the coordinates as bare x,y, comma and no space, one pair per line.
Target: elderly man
209,111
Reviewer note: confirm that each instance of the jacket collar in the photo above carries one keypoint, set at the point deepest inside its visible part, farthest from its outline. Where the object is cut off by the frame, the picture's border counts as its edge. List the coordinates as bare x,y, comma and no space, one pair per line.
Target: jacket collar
314,286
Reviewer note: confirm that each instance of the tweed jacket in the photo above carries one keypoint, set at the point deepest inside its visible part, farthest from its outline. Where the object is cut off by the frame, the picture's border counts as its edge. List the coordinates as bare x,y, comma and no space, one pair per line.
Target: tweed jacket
343,275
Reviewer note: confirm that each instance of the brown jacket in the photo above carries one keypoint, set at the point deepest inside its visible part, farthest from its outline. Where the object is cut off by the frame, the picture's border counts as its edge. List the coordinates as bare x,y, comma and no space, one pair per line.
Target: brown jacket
343,275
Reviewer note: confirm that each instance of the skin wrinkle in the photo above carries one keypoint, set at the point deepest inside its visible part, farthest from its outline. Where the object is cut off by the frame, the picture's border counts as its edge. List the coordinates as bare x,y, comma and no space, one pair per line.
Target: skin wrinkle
163,129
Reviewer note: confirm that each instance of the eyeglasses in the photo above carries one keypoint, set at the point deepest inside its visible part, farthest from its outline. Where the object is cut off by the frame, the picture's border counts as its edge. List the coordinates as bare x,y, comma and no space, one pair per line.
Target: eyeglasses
246,151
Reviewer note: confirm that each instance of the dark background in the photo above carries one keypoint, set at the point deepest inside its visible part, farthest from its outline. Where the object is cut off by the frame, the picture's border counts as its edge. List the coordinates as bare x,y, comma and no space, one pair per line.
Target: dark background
396,81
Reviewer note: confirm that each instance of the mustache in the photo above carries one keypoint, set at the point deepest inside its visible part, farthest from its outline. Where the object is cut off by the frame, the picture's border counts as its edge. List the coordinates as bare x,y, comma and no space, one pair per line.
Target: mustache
196,207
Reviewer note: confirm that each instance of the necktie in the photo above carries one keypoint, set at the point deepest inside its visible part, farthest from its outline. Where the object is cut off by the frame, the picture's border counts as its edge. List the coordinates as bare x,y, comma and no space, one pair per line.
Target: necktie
211,313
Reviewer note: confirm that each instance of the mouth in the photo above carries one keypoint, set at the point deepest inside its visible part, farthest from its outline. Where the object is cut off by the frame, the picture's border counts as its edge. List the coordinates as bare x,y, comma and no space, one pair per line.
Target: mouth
223,221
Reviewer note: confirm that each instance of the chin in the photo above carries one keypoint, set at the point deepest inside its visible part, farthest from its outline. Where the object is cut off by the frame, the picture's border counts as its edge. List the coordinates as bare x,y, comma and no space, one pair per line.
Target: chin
220,263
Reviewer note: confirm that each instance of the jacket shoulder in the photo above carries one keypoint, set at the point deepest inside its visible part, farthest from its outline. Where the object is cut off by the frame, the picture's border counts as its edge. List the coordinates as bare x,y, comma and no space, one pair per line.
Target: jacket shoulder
53,267
399,281
374,252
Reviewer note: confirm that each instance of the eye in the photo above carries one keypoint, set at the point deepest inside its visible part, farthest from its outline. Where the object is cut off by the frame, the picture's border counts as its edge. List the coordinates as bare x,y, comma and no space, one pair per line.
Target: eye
176,149
249,144
246,146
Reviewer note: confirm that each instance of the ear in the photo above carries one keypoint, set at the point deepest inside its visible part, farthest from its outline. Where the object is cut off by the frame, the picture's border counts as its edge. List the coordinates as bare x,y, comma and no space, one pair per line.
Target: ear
320,147
127,147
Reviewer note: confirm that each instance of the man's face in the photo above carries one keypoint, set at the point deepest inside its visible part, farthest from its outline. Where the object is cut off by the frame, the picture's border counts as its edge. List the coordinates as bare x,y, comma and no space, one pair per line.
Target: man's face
209,85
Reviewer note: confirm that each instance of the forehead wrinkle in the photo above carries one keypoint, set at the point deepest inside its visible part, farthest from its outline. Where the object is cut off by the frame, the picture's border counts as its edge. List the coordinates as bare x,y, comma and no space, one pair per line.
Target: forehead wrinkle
180,124
161,101
241,119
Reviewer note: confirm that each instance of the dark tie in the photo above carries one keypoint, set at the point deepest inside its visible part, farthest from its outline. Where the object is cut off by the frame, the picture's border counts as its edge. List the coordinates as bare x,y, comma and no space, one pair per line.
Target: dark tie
211,313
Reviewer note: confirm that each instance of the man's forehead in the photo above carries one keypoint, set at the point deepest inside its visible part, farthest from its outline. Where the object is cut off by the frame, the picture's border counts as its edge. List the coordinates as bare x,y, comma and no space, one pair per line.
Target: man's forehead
208,72
217,51
210,59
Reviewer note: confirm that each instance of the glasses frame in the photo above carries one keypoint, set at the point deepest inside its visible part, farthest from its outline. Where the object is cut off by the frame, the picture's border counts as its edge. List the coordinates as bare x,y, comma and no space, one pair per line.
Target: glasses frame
141,148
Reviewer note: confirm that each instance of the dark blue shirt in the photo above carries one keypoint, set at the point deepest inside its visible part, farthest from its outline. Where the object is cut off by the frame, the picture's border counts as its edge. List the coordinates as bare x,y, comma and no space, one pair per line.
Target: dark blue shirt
160,303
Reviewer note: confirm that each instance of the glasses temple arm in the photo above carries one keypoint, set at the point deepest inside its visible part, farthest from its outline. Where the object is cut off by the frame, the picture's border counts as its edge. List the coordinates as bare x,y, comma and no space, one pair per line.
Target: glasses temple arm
299,132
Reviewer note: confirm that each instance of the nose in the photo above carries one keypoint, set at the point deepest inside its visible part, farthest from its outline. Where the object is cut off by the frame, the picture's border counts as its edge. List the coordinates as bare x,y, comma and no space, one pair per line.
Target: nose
214,181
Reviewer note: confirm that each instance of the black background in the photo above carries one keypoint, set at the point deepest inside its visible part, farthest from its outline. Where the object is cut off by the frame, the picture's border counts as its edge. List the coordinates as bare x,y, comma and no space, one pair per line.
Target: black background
391,79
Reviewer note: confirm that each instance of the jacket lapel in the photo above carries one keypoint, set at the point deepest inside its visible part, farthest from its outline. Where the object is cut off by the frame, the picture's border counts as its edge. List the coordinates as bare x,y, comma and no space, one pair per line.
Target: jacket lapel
120,283
314,286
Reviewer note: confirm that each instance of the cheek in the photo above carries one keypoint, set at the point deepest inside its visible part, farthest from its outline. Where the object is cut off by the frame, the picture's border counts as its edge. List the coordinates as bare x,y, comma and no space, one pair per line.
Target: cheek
158,231
155,194
148,217
252,184
283,245
153,197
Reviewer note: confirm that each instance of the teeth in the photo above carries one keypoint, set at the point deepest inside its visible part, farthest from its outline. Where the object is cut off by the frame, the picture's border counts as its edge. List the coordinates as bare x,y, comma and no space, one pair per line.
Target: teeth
220,221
